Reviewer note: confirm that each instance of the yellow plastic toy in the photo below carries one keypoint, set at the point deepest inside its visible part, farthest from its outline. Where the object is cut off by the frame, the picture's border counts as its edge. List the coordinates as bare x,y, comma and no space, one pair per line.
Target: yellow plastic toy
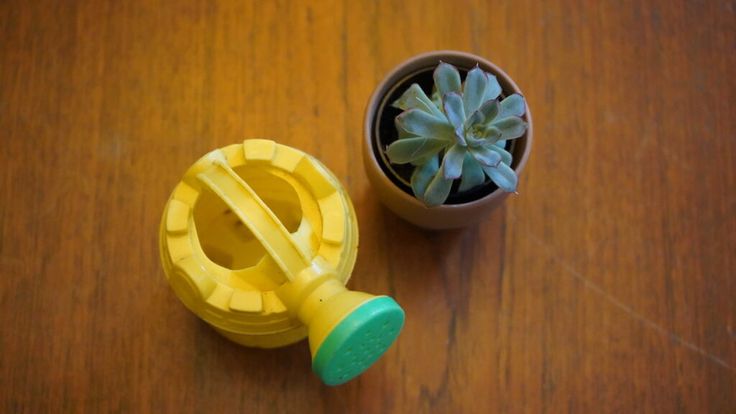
259,239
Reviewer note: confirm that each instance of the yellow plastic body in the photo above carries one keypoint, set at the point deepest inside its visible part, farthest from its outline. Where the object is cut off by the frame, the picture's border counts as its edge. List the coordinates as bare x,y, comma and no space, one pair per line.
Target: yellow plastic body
258,240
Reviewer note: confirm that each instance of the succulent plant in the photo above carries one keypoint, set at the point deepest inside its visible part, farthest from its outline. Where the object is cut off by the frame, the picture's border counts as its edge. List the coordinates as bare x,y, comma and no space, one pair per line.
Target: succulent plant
459,133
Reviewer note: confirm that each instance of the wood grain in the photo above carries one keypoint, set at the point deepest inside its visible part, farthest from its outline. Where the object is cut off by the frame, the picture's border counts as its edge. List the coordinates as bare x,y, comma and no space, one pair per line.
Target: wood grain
608,285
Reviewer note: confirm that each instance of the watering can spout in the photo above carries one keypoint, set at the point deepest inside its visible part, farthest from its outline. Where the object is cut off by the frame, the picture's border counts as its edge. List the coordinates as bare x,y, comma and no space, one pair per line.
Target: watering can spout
348,330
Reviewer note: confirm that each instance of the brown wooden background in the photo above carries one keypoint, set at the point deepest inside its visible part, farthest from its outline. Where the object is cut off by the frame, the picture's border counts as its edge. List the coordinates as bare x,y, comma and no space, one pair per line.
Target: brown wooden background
608,285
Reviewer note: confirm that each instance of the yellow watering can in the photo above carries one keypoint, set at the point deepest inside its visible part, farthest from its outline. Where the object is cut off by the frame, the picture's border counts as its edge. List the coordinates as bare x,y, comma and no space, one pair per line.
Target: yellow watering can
259,239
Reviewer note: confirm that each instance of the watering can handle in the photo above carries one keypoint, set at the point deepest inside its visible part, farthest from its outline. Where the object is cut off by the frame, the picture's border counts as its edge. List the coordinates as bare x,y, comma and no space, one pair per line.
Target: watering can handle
255,214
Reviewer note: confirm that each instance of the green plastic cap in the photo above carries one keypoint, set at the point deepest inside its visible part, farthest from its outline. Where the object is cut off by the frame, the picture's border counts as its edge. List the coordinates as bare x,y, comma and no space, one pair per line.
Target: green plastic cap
358,340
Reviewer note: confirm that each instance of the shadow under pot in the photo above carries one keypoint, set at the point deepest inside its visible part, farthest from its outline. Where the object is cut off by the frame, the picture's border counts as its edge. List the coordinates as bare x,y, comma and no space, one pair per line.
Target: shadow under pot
391,182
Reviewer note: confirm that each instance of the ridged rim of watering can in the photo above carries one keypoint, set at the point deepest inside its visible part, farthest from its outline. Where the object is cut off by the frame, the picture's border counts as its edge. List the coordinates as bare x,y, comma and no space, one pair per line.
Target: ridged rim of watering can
250,315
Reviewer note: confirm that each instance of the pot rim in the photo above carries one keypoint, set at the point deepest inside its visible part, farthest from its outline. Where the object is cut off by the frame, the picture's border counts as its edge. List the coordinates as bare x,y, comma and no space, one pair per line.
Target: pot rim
402,70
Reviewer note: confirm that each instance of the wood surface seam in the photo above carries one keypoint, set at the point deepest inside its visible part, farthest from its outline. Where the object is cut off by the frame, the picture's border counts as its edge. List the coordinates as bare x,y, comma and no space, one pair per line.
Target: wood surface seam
589,284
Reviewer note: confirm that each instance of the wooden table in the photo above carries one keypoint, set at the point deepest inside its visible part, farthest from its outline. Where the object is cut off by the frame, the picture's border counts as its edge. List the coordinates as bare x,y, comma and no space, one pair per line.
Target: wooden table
607,285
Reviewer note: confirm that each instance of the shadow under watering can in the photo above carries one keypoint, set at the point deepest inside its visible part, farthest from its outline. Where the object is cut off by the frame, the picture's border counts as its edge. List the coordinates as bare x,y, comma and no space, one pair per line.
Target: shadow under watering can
258,240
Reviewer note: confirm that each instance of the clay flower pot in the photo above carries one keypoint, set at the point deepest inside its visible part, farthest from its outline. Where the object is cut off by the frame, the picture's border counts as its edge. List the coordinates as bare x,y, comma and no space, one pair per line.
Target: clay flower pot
390,182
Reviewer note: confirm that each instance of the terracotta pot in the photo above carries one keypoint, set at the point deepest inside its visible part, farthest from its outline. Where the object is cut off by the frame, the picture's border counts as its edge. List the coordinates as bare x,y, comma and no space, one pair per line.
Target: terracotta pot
389,186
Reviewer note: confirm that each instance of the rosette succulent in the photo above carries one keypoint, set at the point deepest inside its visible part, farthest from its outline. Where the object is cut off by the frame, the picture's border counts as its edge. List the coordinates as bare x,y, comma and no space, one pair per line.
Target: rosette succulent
458,134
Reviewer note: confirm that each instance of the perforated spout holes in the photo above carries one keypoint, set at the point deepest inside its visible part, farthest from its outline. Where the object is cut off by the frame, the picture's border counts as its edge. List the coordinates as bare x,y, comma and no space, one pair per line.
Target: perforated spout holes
258,240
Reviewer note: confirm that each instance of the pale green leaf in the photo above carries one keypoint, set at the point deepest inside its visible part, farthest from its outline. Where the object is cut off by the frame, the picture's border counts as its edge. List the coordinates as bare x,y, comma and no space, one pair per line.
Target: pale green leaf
422,176
472,175
506,157
489,109
453,161
438,189
421,161
421,123
411,149
474,89
511,127
486,113
490,134
402,132
415,98
493,88
453,106
486,156
504,177
446,78
513,105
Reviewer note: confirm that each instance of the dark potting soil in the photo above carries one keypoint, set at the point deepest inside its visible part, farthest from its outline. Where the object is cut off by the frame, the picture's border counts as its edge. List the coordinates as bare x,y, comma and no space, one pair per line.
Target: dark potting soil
384,133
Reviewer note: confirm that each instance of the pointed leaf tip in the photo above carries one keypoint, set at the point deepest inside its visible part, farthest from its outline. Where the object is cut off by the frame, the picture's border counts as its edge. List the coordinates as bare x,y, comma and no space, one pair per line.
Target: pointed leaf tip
474,89
493,88
415,98
504,177
513,105
446,78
